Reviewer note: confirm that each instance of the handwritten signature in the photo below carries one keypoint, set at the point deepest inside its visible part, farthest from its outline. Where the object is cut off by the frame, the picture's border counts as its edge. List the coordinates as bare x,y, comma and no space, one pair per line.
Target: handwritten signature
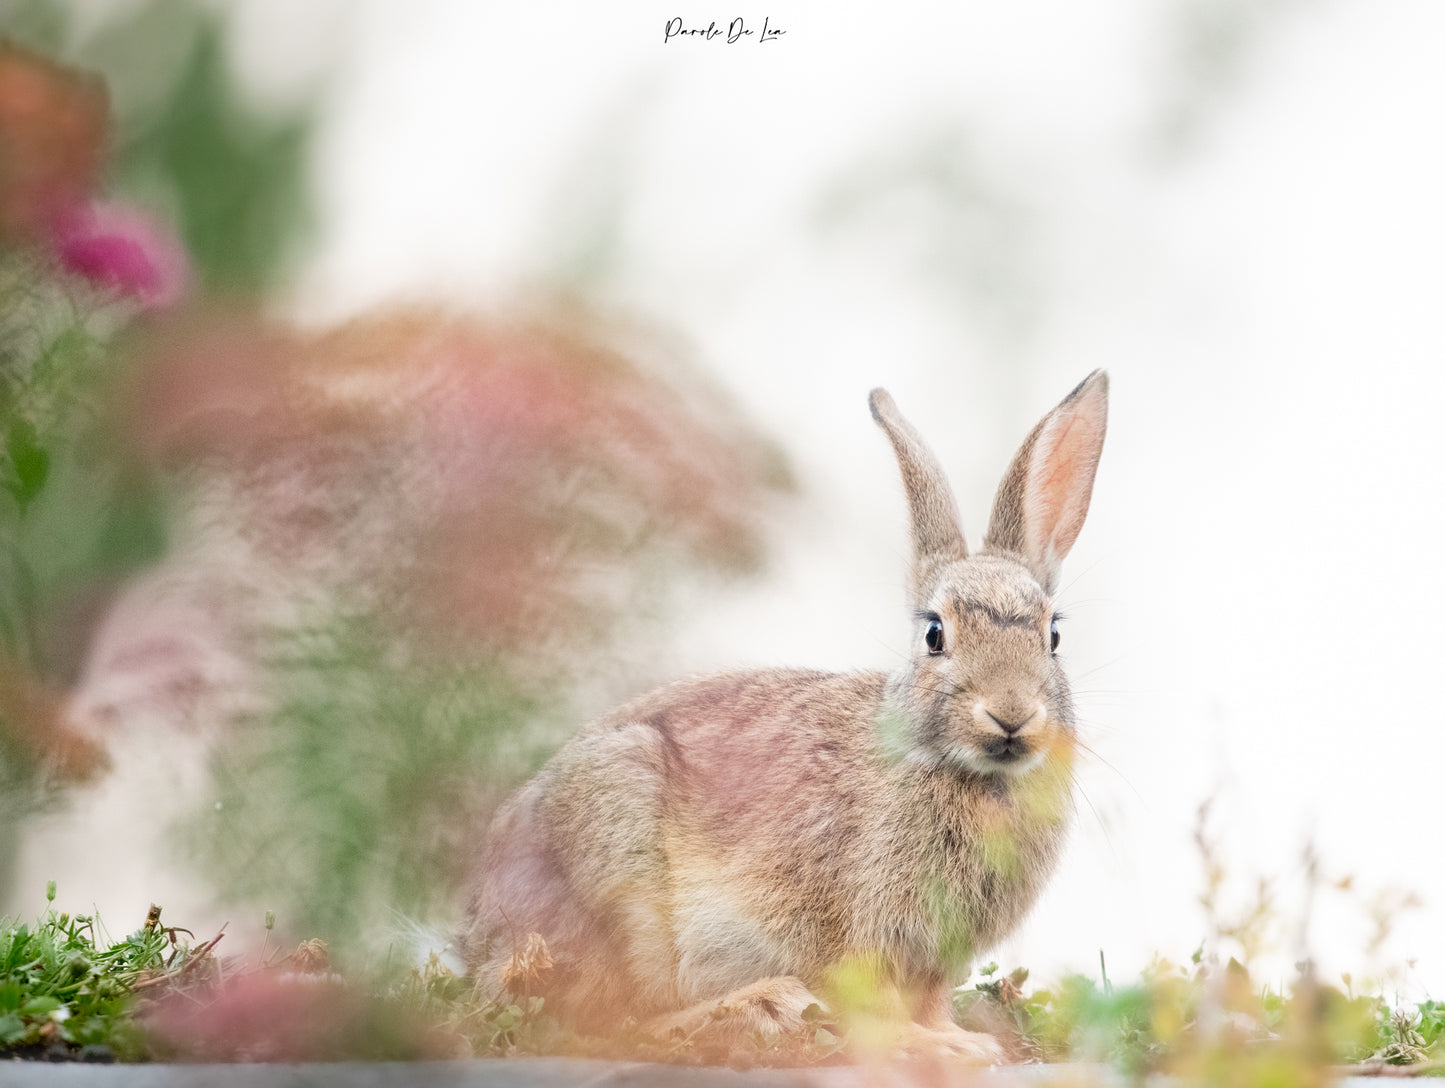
734,32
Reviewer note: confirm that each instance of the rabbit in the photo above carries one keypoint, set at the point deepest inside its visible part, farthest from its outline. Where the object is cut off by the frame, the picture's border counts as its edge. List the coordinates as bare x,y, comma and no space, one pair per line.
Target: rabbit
711,853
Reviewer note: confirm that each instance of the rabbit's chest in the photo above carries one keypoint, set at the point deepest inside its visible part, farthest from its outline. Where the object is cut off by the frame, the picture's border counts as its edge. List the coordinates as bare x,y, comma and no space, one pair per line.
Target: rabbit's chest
962,880
984,880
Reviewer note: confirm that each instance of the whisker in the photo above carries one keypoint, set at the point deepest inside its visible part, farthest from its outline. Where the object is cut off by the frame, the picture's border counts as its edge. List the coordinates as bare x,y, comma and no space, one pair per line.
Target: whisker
1099,668
1064,589
1095,725
939,691
894,650
1108,838
1081,602
1122,777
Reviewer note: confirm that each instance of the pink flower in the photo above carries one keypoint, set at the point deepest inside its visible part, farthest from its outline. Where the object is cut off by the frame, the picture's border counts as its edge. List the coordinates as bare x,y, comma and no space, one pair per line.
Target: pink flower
291,1017
116,247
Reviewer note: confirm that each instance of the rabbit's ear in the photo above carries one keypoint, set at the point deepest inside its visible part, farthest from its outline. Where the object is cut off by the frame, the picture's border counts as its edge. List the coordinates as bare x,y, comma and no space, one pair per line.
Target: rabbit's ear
937,536
1045,493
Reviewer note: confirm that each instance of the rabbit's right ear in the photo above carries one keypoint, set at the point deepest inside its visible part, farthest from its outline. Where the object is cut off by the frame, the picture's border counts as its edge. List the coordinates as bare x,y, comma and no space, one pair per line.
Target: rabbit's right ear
933,515
1045,493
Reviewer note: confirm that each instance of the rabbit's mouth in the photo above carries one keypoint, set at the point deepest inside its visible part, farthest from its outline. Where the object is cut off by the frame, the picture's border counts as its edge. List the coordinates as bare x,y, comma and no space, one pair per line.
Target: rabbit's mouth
1006,751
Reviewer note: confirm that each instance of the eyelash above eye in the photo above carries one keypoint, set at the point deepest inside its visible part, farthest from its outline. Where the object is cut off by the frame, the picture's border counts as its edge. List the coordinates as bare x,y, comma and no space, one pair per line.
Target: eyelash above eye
1054,632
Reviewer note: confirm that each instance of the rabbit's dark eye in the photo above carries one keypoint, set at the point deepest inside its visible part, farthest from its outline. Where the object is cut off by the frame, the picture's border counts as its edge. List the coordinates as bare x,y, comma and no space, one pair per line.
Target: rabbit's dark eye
934,636
1054,635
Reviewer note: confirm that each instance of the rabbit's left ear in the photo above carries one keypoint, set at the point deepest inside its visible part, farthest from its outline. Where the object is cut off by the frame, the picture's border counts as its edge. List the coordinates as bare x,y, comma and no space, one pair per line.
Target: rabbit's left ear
1044,495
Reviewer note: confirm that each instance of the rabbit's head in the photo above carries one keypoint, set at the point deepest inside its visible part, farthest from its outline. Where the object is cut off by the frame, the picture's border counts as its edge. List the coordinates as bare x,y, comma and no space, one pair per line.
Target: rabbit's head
983,689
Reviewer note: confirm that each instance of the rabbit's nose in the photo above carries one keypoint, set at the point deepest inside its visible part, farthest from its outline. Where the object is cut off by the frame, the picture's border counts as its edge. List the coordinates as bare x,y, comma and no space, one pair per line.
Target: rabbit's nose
1013,719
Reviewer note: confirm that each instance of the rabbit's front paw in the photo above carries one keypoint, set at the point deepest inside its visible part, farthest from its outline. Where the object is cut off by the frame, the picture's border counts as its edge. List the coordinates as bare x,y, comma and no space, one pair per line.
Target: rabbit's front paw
773,1006
949,1041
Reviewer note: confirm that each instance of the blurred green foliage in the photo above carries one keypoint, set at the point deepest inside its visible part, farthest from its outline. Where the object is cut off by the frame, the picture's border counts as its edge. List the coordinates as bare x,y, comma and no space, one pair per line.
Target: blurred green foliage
1180,1019
237,177
232,178
77,510
360,791
75,515
157,994
73,510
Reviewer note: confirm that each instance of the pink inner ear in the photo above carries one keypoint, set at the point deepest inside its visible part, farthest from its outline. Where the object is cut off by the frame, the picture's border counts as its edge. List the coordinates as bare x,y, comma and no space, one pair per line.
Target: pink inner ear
1061,479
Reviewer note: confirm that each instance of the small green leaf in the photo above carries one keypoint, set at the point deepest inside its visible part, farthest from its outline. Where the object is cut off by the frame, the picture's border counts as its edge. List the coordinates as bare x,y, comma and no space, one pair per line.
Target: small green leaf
29,462
12,1029
11,995
43,1005
825,1038
507,1018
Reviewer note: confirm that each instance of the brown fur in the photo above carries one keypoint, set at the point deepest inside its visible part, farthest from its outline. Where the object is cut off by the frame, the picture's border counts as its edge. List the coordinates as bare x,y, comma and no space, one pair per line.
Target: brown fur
717,849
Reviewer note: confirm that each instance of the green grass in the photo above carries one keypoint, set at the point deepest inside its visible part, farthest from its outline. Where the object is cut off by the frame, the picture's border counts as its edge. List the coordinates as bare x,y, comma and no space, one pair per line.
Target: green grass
1178,1018
66,986
68,990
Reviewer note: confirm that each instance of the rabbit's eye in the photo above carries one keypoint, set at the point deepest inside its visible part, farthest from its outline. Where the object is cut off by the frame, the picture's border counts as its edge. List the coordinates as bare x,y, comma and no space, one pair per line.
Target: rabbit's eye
1054,635
934,636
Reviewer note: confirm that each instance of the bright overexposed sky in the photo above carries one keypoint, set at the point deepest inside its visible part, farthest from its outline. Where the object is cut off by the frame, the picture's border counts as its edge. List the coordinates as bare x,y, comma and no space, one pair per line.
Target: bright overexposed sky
1234,206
